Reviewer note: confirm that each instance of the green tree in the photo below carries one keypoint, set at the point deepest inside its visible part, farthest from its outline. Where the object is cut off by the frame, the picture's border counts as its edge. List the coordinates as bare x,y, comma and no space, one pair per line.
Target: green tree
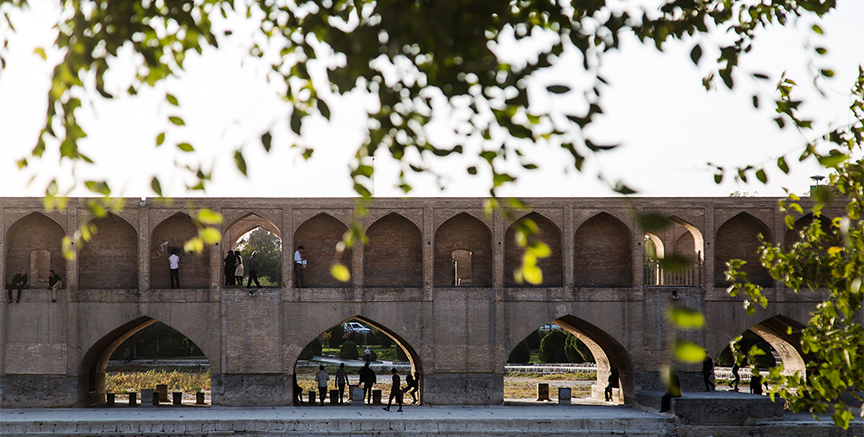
349,351
269,248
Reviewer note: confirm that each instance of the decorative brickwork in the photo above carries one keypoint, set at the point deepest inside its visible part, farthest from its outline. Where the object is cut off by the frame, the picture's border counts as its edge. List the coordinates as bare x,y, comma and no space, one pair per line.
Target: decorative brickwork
551,266
394,255
463,232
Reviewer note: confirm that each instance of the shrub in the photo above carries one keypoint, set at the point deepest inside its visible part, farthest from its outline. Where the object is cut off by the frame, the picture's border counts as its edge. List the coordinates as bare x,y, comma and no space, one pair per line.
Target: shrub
337,335
371,338
311,349
552,347
576,351
400,354
349,351
533,340
383,339
520,355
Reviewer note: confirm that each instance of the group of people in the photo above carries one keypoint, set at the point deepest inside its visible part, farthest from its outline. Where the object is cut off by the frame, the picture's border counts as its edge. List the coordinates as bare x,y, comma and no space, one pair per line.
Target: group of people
367,381
234,270
21,281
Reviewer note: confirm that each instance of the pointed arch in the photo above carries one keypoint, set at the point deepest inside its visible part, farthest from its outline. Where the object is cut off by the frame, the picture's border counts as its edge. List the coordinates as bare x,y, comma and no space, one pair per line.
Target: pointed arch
244,224
32,242
603,255
689,242
463,232
393,257
552,266
319,237
171,234
115,244
793,235
784,335
738,238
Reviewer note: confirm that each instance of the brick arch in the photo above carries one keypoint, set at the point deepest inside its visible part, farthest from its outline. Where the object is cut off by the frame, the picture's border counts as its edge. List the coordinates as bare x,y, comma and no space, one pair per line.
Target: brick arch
393,256
172,233
793,235
602,256
783,333
319,237
91,369
738,238
114,244
33,232
689,242
552,266
465,232
244,224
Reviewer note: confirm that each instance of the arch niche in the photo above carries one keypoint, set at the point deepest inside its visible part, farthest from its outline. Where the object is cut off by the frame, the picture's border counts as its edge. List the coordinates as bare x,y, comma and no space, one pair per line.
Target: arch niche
784,335
738,238
115,244
319,237
602,253
552,266
169,235
458,235
393,257
249,222
34,244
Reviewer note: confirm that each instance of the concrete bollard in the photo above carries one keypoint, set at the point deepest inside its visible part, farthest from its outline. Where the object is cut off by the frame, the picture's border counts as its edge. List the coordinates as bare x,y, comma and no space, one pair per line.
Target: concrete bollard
178,397
334,397
542,391
376,397
357,396
146,397
312,397
133,398
109,398
563,395
162,389
199,398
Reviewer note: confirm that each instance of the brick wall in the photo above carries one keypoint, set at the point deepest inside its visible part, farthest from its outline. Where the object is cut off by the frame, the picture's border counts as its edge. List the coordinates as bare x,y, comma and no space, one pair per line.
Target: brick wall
468,233
319,236
602,253
110,259
686,246
34,232
738,239
394,255
552,265
194,268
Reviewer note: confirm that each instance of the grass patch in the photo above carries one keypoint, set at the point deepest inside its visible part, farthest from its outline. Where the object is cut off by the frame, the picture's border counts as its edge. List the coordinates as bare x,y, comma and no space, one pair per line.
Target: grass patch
185,381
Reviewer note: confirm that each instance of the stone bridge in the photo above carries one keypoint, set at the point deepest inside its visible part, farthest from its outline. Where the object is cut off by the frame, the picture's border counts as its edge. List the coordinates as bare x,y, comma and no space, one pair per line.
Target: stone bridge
436,276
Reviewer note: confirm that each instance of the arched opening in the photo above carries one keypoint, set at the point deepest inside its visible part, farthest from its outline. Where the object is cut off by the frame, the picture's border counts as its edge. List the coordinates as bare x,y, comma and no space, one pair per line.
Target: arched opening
602,253
350,345
653,249
267,248
115,244
34,246
393,256
463,253
738,238
320,237
794,235
552,267
574,354
169,236
779,340
673,256
141,347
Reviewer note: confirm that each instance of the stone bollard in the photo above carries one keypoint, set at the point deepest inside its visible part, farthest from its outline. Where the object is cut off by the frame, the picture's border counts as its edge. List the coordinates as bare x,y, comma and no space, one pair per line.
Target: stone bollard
178,397
357,396
312,397
542,391
133,398
563,395
199,398
376,397
162,389
146,397
334,397
109,398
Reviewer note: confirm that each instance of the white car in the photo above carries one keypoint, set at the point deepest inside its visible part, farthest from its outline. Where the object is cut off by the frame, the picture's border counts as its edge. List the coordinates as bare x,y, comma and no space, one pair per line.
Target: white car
355,327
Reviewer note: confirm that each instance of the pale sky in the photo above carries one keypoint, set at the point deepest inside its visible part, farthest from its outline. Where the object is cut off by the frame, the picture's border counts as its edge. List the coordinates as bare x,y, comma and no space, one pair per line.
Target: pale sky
668,126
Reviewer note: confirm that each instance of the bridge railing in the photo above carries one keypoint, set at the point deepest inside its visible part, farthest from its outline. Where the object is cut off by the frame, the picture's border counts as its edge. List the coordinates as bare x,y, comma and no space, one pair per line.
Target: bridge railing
687,277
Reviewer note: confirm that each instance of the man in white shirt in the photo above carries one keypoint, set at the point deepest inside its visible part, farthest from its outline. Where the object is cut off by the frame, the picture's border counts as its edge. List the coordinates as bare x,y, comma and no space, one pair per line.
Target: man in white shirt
299,261
322,377
174,269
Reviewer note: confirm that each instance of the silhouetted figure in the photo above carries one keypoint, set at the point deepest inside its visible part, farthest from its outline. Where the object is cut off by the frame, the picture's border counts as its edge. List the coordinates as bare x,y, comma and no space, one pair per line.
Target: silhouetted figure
674,391
174,269
55,282
756,384
734,383
395,391
412,387
297,392
367,355
253,272
19,281
341,379
299,266
127,356
708,373
368,379
230,266
321,378
238,271
613,383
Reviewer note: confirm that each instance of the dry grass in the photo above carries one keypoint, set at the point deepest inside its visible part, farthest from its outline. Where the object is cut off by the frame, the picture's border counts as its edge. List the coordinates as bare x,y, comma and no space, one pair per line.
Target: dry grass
526,388
188,382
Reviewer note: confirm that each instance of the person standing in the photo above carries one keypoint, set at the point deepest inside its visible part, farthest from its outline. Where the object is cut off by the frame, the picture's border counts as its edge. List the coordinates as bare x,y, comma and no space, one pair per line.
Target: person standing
322,377
341,380
253,272
708,373
55,282
19,281
299,265
737,377
230,265
412,387
238,272
368,379
395,391
174,269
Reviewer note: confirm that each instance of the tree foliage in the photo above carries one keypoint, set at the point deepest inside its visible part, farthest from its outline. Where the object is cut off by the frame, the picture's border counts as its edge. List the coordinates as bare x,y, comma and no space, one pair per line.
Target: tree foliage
269,248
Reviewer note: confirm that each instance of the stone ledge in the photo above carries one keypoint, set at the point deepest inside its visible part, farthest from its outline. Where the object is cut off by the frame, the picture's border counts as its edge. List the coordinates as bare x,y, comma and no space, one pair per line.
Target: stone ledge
716,408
